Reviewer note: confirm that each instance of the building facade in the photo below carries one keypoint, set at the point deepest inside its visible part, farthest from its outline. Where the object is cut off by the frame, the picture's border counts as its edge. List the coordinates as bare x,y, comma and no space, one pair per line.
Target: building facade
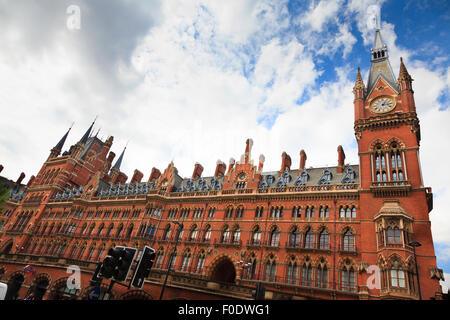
342,232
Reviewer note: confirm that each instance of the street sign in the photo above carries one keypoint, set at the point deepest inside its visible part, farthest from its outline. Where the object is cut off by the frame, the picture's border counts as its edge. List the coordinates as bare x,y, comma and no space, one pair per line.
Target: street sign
94,293
29,269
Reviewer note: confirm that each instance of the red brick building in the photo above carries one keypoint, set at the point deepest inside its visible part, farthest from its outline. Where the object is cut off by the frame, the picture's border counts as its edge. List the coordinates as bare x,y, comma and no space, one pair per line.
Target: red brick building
304,232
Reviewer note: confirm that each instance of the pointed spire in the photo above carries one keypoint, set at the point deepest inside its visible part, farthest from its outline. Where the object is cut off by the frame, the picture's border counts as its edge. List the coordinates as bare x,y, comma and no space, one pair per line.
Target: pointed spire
88,132
403,74
61,142
359,83
119,161
379,64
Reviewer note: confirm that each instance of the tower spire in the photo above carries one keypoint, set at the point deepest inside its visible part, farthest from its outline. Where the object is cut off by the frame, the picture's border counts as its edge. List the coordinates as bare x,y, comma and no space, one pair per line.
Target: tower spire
88,132
379,64
119,161
56,151
61,142
403,75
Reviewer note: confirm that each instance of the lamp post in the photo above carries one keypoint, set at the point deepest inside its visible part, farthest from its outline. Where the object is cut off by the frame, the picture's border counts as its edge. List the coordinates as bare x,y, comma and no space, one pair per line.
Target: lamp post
170,261
415,244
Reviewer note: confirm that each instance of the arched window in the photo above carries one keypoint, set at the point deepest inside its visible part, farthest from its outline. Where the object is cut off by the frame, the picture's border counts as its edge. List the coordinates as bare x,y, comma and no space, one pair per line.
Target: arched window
256,236
207,236
172,260
100,230
309,239
292,271
251,271
307,274
271,267
159,258
348,241
324,212
322,275
226,235
186,261
167,232
236,235
348,279
200,262
393,235
397,276
229,213
294,241
150,232
275,237
324,240
194,232
296,212
259,212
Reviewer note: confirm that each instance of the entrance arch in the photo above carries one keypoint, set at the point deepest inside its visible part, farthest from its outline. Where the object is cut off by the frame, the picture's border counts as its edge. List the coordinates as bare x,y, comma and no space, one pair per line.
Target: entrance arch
223,271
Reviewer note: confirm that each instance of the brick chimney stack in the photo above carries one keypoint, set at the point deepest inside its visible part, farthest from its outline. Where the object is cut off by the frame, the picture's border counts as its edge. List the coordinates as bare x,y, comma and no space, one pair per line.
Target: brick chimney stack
155,174
137,176
261,163
30,182
302,160
21,177
198,169
231,165
285,162
341,159
221,167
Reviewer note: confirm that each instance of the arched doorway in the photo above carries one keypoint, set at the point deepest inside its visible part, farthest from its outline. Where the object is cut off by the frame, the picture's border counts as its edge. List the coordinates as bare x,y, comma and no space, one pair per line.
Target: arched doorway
14,284
38,287
224,271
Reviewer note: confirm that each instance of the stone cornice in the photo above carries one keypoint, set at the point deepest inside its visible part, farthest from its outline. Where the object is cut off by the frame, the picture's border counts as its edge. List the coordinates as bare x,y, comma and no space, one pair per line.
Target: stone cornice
382,122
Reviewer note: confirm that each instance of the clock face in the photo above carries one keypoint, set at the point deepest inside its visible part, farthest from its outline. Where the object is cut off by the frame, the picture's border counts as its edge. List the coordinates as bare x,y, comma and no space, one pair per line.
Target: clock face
382,104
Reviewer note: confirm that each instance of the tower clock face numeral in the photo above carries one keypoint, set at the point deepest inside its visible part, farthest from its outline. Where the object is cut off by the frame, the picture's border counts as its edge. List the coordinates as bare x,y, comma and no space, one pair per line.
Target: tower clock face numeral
382,105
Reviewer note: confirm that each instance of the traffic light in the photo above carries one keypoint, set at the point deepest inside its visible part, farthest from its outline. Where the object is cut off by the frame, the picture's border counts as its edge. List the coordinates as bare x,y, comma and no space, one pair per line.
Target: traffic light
110,263
260,292
117,263
143,268
123,266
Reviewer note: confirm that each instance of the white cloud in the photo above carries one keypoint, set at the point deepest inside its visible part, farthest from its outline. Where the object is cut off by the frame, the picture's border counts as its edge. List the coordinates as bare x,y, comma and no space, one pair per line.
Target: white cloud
318,15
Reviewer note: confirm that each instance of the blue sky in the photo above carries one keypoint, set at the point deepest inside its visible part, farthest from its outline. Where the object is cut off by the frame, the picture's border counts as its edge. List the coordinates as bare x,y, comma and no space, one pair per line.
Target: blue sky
190,81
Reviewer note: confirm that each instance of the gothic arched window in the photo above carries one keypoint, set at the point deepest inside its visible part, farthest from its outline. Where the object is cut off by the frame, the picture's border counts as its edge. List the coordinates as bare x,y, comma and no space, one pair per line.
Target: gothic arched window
324,240
309,239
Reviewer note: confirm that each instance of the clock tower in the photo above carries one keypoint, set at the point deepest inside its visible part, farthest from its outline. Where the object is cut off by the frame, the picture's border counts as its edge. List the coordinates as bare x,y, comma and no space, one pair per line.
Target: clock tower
393,199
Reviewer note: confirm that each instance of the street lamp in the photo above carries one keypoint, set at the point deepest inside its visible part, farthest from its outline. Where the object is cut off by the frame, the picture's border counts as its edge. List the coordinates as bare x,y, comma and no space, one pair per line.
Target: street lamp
415,244
170,261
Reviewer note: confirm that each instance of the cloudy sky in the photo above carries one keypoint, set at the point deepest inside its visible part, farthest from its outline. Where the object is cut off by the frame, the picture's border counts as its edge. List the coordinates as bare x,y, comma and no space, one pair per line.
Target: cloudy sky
190,81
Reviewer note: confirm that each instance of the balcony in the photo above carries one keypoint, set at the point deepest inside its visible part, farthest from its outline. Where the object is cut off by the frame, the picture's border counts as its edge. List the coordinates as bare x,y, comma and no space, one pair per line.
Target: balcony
397,188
